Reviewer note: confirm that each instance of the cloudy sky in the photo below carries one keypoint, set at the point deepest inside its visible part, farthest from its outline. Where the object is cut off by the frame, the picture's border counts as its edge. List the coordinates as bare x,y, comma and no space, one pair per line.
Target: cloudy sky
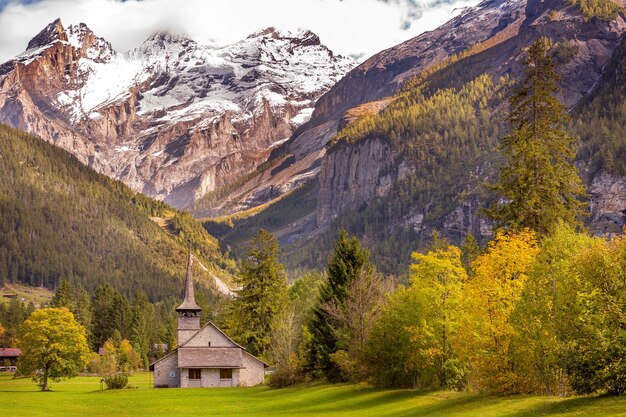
358,28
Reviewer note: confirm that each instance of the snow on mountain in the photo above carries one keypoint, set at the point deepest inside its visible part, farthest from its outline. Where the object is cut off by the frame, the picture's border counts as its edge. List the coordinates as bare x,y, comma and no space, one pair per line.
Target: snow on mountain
145,116
270,65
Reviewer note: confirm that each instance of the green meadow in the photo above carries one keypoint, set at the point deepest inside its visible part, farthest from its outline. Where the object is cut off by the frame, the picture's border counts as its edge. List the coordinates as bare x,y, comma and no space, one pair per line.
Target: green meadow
82,397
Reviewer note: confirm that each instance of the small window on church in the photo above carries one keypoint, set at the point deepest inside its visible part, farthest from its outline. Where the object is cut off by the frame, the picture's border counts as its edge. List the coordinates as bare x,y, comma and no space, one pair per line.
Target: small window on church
226,373
195,373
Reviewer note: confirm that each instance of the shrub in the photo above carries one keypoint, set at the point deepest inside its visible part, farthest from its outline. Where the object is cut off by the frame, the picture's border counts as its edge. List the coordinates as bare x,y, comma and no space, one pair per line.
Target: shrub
284,377
116,381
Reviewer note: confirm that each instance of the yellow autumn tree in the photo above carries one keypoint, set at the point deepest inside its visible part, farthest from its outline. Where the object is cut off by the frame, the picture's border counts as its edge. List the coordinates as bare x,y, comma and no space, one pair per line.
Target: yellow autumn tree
437,280
500,275
54,346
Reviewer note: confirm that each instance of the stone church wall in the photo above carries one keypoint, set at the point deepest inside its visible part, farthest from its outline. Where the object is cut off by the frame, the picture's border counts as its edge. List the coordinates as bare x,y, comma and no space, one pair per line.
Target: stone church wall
253,372
166,372
209,334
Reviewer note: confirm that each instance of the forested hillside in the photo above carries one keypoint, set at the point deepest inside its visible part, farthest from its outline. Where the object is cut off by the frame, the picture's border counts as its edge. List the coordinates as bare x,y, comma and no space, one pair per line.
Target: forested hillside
61,220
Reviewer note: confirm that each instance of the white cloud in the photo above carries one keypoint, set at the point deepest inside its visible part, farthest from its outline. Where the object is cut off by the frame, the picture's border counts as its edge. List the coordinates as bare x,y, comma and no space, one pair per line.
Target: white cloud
348,27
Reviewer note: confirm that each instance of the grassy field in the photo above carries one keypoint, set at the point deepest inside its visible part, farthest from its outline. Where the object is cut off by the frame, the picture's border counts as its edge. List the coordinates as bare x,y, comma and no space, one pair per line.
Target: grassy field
39,296
82,397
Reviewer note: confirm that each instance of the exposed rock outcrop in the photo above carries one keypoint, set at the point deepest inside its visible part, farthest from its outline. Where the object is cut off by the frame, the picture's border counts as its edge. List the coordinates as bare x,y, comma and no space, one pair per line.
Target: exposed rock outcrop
352,174
607,203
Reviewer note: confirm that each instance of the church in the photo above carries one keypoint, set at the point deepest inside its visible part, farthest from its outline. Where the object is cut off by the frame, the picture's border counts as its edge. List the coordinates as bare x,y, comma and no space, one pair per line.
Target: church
205,356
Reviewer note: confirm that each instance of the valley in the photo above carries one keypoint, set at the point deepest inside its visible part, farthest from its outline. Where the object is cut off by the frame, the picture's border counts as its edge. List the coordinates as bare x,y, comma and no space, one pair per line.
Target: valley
438,228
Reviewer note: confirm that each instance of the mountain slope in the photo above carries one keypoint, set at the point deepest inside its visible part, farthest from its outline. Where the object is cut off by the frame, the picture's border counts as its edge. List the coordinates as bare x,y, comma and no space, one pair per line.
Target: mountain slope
414,161
173,119
384,74
61,220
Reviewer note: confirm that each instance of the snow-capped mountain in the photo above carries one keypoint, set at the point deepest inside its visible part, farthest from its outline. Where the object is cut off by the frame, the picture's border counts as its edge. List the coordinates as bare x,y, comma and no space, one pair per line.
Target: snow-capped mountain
173,118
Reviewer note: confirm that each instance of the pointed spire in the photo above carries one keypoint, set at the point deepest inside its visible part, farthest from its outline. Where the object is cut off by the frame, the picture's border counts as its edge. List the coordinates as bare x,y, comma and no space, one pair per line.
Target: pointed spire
189,303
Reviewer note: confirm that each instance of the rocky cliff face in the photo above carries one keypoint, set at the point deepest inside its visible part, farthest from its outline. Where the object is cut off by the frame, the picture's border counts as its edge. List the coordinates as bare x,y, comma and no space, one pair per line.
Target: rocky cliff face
353,174
172,118
607,195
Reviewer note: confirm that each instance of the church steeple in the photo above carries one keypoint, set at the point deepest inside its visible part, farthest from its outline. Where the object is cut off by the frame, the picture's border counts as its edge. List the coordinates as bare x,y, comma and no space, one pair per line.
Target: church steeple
189,302
188,311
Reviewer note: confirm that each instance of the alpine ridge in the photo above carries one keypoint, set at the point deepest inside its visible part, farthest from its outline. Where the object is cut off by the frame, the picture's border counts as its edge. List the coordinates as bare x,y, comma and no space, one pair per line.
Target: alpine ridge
172,118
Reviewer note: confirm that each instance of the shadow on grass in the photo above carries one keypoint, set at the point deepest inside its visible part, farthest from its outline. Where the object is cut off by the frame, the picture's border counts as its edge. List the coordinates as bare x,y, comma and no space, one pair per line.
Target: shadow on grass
338,401
438,403
575,405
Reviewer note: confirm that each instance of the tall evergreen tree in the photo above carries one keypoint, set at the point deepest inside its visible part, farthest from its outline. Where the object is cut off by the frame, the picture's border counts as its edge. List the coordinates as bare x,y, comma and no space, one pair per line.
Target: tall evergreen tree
469,251
75,299
348,260
142,325
64,296
110,311
263,287
539,184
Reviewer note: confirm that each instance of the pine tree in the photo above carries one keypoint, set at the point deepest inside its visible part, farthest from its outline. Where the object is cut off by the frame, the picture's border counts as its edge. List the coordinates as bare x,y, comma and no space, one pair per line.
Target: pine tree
142,330
539,184
75,299
64,296
469,251
348,260
260,298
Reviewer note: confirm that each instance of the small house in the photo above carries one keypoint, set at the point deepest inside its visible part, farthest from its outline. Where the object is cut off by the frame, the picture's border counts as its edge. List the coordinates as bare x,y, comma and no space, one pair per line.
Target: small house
8,358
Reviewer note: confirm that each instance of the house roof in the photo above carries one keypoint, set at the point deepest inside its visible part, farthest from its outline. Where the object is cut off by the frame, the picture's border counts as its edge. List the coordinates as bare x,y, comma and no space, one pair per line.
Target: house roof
151,367
10,352
210,323
189,302
209,357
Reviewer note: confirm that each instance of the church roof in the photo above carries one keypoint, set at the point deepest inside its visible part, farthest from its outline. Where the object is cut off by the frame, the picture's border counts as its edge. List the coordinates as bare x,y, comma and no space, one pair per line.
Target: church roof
189,302
210,357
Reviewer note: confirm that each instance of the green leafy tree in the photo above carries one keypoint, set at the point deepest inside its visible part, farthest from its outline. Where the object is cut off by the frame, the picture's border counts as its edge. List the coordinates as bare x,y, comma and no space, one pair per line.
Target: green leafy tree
539,185
348,260
261,295
54,346
594,339
545,315
395,359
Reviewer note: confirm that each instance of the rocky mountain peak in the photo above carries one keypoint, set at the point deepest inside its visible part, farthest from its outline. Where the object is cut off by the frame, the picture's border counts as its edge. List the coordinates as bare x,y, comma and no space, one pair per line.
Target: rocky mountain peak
162,38
85,43
51,33
88,44
301,37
